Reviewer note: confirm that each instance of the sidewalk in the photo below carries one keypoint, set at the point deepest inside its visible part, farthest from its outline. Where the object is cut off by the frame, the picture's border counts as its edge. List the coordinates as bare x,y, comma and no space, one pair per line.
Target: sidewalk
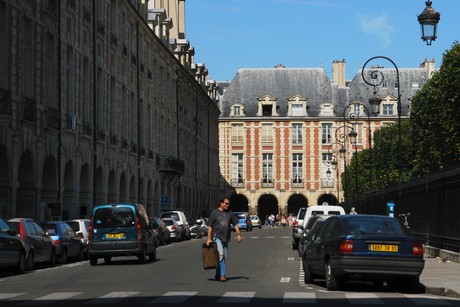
441,278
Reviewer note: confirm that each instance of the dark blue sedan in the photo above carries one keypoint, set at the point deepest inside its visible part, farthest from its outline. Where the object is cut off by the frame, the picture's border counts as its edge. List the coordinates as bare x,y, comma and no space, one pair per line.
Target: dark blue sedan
68,244
365,248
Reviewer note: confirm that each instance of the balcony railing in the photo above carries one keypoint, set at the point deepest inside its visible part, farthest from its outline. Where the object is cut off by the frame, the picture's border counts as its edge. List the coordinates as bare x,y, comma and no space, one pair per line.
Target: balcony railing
238,183
297,183
327,183
5,102
113,139
124,143
170,164
100,134
268,184
237,143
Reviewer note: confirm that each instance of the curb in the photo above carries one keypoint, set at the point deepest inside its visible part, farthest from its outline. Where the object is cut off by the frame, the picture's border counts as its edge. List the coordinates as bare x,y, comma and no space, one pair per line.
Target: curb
441,291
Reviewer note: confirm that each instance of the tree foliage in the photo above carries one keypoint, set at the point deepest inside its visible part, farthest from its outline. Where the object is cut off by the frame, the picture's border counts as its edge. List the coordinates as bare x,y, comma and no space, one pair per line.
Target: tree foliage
430,139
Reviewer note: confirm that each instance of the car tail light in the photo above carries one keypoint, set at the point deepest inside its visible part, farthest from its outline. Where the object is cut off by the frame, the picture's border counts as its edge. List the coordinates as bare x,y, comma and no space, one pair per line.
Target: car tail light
346,247
21,231
90,231
417,249
138,227
173,227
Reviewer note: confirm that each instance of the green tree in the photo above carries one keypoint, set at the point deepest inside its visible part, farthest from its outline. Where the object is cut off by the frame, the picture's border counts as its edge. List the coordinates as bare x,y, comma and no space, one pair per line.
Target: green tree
435,118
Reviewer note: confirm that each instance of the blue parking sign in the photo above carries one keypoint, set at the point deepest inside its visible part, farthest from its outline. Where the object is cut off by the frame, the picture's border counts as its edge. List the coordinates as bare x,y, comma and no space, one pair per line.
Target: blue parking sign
391,209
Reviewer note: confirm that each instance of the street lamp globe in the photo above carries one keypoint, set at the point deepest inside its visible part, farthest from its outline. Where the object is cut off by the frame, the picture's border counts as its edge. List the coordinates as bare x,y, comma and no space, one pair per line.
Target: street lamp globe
375,102
342,152
353,135
428,20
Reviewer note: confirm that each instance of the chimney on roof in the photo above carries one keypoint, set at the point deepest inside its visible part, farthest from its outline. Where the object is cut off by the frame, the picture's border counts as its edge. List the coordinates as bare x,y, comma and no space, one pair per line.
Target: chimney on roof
430,66
338,72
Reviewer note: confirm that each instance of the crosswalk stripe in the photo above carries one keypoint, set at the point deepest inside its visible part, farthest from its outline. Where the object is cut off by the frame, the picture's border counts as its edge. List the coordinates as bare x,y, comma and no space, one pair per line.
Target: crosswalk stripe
359,298
427,300
47,299
299,298
173,297
5,296
112,297
236,297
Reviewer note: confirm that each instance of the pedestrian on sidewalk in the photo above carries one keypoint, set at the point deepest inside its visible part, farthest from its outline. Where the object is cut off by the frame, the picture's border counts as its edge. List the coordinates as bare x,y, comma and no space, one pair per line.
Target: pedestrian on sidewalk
219,231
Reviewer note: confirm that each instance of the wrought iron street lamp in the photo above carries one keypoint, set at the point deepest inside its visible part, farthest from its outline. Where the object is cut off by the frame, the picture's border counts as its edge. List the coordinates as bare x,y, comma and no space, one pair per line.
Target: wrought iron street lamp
428,20
378,78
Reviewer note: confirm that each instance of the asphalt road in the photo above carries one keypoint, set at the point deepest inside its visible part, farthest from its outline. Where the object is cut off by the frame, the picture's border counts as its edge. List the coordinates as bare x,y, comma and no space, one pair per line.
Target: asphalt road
262,271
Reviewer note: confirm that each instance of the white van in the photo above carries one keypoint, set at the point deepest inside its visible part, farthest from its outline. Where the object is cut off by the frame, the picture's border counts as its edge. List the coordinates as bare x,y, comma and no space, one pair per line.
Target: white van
321,209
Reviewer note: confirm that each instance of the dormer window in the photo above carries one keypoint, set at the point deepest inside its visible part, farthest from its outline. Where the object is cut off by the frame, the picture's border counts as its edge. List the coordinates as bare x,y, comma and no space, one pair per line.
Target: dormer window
327,109
297,106
267,106
237,110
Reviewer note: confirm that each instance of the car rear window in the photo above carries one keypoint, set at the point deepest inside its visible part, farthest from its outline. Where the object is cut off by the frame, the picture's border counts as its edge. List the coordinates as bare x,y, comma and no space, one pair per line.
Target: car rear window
377,226
14,225
334,212
113,216
301,214
51,229
240,216
168,222
74,225
315,212
172,215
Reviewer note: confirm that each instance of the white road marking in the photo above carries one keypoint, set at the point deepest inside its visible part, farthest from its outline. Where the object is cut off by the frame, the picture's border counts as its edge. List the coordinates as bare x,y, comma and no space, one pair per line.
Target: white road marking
359,298
236,297
427,300
285,279
174,297
269,237
5,296
291,258
112,297
47,299
299,298
254,237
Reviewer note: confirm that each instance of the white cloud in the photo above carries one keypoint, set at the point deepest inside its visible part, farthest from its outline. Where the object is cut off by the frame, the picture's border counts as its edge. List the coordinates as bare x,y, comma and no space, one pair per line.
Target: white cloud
378,27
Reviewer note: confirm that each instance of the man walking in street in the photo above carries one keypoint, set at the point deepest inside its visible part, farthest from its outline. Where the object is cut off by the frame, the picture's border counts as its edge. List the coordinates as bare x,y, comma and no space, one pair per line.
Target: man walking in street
219,231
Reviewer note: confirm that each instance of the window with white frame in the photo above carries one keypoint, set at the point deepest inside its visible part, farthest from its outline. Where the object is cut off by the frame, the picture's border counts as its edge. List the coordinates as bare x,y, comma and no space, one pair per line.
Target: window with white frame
297,109
267,168
237,134
267,134
358,127
297,166
387,108
326,133
296,134
326,110
237,168
237,110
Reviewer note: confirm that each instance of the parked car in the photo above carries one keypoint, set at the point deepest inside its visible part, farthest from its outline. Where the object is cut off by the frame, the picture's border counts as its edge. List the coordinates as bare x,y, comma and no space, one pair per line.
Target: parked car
244,221
12,249
366,248
121,229
68,244
175,230
255,221
199,228
313,224
163,235
181,219
39,245
80,226
304,214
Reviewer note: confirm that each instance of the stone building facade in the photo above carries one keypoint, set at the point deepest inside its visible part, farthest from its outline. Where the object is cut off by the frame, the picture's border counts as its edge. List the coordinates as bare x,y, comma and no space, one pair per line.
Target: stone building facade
101,101
281,130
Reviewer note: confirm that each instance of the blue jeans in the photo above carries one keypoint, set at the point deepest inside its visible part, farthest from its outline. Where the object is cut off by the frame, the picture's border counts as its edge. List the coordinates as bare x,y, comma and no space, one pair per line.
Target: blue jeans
222,250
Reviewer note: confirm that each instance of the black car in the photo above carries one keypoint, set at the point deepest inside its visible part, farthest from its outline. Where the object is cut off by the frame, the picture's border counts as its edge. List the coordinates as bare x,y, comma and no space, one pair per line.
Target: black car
366,248
312,221
12,249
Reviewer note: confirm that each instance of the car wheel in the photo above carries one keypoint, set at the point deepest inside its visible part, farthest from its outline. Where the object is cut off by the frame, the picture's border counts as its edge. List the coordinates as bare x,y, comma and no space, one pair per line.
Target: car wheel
92,260
153,254
143,256
81,256
107,259
63,258
52,261
21,266
410,284
30,261
333,283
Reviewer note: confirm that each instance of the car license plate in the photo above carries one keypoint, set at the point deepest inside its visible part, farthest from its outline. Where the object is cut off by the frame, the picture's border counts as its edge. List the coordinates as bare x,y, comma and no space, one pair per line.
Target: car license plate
383,248
114,236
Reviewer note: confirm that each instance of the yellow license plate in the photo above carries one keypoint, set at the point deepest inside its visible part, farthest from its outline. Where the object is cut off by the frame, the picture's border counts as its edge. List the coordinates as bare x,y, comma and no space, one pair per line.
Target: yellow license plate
114,236
383,248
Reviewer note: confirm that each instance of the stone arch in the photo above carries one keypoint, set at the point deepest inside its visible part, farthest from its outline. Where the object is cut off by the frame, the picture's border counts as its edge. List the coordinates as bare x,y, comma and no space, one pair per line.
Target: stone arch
267,204
85,196
132,190
123,197
100,196
239,203
5,185
112,196
295,202
26,191
330,199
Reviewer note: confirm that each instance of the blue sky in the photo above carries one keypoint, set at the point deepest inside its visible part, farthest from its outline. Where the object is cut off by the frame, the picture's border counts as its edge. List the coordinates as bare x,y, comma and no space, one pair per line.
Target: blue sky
228,34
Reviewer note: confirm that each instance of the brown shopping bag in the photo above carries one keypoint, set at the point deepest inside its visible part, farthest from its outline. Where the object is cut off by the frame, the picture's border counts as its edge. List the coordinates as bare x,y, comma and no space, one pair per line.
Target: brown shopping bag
210,256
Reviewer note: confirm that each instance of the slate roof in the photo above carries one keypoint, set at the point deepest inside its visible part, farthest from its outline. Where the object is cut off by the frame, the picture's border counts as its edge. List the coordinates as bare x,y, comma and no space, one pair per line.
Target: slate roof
250,84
